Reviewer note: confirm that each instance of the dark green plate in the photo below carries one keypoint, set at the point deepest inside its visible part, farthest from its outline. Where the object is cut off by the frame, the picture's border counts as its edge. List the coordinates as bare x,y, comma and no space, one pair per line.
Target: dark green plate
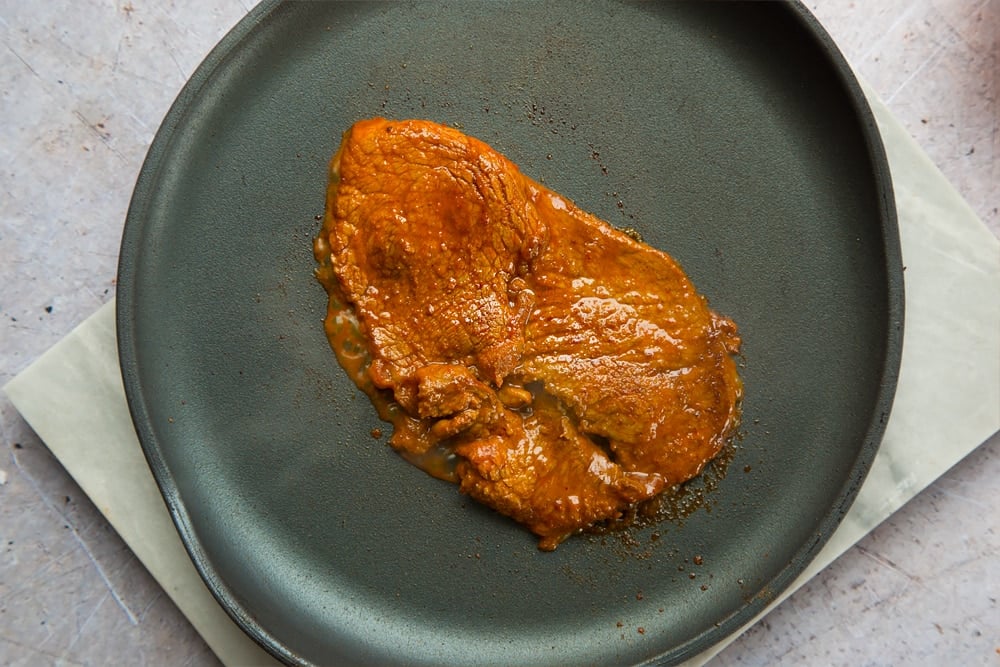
731,135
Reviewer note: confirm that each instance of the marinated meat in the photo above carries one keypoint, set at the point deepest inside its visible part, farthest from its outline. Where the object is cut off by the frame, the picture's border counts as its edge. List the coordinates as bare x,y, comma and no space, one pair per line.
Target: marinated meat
430,234
557,369
543,472
622,338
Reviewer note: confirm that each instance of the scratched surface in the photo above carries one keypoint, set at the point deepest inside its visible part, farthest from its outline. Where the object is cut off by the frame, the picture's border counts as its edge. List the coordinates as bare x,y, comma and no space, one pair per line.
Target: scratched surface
84,84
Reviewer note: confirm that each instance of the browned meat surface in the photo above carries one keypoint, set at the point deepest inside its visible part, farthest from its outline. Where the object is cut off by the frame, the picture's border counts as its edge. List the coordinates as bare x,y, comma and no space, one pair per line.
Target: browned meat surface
544,473
427,256
566,369
622,338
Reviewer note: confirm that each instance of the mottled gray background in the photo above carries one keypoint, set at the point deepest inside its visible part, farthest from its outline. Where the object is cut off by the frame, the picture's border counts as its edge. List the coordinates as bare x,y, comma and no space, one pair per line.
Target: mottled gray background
84,86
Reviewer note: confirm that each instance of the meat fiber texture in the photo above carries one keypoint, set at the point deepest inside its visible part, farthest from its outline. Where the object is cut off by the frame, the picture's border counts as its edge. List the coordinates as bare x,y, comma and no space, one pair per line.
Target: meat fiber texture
568,370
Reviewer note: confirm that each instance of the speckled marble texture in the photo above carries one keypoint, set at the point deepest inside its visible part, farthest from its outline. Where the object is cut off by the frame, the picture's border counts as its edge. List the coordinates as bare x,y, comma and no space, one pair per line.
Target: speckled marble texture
84,85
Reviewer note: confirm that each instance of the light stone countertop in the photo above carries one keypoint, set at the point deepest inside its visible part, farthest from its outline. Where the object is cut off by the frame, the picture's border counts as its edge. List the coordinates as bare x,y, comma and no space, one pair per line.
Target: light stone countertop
85,84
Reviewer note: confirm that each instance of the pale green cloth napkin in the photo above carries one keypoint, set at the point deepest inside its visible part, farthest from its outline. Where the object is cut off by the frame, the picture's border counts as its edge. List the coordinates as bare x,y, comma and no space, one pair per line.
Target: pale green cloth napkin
947,403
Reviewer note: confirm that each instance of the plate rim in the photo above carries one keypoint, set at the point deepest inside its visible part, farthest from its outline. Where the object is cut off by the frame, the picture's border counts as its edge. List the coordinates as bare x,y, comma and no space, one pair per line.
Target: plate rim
128,363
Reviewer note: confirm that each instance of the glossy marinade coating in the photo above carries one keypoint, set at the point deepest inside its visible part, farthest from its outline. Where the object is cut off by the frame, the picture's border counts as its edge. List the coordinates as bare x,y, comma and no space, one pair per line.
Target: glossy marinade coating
557,369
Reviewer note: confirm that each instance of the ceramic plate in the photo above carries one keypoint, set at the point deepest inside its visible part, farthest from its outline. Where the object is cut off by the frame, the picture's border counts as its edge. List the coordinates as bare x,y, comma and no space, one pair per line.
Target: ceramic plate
730,135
